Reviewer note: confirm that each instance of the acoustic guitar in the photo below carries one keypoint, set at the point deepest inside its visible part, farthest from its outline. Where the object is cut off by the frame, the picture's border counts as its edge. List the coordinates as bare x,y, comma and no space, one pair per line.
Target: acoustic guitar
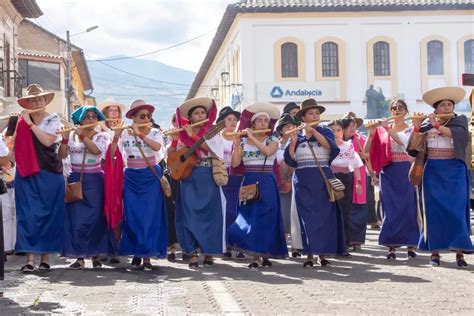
181,162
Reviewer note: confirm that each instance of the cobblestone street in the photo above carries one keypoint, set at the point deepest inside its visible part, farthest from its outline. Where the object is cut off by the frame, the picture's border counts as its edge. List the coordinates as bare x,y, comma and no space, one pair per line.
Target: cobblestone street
364,284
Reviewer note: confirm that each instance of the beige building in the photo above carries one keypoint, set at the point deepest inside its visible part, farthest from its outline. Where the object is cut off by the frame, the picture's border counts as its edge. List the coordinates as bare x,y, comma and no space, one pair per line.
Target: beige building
42,60
12,12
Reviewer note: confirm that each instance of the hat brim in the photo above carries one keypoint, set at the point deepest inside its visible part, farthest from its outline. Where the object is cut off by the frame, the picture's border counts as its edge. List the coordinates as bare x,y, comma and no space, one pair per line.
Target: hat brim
455,94
24,102
302,111
191,103
271,109
130,112
106,104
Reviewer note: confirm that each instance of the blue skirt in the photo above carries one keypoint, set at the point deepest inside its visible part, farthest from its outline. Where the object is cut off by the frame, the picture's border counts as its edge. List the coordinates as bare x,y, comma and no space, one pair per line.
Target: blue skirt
322,226
258,229
40,212
144,229
231,193
86,232
446,206
200,214
400,224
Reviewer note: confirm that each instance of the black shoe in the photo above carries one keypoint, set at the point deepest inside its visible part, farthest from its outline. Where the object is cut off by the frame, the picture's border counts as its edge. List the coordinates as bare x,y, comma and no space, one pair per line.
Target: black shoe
435,261
208,262
253,265
266,263
325,262
240,256
391,256
96,264
411,254
147,266
27,268
296,254
460,261
77,265
227,255
114,260
44,266
308,263
171,257
136,261
193,265
185,257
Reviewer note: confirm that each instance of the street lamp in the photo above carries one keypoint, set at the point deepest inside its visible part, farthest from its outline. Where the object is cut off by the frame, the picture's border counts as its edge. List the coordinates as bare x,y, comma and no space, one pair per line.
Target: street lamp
69,90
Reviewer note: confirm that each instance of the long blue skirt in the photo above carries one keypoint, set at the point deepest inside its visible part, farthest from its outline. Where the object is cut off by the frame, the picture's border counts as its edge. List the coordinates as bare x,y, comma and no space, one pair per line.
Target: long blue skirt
446,206
86,232
400,224
355,215
231,193
40,212
322,226
258,229
144,229
200,214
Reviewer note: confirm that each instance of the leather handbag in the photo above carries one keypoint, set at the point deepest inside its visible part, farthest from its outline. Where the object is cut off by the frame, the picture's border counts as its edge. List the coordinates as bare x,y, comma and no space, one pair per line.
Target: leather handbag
165,185
415,174
73,191
286,173
251,192
334,186
219,171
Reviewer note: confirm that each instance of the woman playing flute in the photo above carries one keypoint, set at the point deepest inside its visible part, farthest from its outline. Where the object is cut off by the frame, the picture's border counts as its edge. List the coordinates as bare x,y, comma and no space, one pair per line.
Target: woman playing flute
445,182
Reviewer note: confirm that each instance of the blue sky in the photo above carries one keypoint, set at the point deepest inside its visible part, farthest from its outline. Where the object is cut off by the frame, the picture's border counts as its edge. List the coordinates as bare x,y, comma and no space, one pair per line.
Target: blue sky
134,27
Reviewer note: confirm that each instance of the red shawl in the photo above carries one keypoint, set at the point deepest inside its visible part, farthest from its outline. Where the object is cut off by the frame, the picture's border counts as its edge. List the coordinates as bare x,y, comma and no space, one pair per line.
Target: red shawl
188,141
113,206
380,150
359,143
25,153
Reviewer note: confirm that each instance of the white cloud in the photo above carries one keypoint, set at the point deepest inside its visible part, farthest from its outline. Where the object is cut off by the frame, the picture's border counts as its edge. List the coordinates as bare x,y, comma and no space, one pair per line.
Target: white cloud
136,27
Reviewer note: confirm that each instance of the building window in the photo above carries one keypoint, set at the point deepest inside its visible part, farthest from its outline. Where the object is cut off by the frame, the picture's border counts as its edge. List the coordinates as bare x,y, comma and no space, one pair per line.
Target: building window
469,56
47,75
435,57
330,59
289,60
381,59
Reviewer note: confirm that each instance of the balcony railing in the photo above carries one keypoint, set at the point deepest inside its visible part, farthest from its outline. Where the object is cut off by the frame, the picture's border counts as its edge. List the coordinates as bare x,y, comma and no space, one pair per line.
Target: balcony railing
10,80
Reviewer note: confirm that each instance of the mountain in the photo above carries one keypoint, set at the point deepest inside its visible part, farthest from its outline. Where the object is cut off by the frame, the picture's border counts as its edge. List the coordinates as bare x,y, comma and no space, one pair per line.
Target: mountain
166,87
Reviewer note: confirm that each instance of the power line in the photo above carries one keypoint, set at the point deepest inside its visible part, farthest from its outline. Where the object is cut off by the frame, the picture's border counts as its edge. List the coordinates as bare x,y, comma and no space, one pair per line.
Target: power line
137,86
155,51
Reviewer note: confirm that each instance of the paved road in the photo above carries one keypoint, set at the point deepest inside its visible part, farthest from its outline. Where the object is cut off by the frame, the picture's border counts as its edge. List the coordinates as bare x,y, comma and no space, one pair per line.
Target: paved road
366,283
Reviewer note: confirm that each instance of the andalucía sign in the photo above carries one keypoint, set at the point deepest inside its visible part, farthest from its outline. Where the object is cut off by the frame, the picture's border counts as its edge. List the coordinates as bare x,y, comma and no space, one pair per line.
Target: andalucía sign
296,91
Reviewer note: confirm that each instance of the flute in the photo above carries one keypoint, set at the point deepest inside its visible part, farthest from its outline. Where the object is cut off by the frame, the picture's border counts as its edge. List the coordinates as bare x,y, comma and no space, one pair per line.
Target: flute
389,119
69,129
448,115
299,128
18,114
243,133
175,131
131,126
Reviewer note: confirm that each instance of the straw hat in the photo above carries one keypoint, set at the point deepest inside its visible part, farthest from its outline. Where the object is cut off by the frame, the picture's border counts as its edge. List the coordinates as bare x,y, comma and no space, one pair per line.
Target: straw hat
34,91
309,104
455,94
352,115
138,105
271,109
205,102
111,102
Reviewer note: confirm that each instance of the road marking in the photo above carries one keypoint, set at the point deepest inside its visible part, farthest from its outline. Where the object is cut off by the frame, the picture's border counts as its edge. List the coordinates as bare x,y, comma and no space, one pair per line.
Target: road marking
223,298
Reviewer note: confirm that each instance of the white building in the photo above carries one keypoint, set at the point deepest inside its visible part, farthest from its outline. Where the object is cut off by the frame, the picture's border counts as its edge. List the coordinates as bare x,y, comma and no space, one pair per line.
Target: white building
333,50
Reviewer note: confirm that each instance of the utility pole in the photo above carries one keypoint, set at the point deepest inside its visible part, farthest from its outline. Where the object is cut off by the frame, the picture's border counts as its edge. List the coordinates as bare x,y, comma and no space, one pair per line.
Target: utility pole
68,75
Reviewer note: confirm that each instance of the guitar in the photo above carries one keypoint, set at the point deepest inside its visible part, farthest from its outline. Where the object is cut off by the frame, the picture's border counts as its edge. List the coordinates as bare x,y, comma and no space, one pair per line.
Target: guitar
181,162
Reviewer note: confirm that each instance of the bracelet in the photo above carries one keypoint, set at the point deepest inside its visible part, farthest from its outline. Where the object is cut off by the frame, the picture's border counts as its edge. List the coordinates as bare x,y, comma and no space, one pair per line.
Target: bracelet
141,135
115,140
437,126
64,141
416,130
81,137
174,143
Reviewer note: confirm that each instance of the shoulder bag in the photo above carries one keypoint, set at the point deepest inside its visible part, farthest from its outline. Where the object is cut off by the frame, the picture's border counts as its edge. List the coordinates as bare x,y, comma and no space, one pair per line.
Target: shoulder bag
73,191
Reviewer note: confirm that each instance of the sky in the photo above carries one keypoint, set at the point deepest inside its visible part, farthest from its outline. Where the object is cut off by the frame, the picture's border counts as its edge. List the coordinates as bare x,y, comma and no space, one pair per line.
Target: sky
135,27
